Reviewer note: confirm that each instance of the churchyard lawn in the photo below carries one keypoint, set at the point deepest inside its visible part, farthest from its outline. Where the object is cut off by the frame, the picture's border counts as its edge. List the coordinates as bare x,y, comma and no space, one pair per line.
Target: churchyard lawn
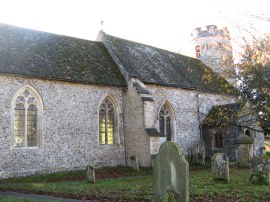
125,184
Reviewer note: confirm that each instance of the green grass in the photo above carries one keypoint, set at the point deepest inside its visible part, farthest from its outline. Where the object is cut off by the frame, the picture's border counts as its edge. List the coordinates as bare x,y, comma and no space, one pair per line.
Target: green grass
138,186
79,175
129,188
238,189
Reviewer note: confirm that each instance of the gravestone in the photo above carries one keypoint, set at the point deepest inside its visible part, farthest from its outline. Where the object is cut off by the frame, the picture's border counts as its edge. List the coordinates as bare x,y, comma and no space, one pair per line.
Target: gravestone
242,156
259,167
170,174
220,167
134,163
90,174
243,146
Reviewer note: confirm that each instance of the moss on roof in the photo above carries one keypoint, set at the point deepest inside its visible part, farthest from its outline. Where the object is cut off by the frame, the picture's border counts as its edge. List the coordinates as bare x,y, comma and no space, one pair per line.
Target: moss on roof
157,66
38,54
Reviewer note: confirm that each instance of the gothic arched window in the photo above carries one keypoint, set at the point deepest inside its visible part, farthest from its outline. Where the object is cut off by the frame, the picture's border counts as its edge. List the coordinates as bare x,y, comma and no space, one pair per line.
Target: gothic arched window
26,126
165,122
106,122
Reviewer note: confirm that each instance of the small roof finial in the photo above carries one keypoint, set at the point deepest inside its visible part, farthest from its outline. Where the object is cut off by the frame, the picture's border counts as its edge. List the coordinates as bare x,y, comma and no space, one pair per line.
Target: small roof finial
101,25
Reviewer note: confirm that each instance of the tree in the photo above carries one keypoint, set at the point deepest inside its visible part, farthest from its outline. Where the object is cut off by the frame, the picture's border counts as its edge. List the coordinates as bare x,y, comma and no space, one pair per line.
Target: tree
253,73
254,77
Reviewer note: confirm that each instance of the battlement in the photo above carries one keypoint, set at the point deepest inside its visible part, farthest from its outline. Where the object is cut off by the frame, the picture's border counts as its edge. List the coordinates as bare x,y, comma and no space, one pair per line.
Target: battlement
209,30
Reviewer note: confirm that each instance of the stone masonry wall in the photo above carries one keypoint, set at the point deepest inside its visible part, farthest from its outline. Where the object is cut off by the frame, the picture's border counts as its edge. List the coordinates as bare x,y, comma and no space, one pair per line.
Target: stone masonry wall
69,130
229,135
138,142
185,105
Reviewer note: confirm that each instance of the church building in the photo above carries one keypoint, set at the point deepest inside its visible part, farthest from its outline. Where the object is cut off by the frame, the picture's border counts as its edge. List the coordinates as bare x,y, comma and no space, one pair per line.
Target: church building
66,102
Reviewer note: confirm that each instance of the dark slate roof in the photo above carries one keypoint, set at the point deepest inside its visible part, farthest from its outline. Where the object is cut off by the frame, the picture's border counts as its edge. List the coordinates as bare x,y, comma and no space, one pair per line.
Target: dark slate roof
222,114
157,66
38,54
153,132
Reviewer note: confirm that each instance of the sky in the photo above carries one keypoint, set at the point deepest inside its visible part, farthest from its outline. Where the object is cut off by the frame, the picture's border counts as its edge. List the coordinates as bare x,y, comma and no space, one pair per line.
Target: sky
165,24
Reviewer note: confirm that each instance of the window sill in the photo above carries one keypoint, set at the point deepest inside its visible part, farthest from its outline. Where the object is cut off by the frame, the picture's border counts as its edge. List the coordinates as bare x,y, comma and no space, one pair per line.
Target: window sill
218,149
110,145
24,148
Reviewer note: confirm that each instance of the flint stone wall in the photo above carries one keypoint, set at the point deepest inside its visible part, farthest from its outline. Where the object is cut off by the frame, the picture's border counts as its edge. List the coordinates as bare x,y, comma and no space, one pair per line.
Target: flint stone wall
185,105
230,134
69,137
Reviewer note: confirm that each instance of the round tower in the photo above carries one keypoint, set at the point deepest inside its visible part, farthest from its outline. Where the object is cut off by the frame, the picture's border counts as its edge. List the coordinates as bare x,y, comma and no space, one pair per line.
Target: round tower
213,47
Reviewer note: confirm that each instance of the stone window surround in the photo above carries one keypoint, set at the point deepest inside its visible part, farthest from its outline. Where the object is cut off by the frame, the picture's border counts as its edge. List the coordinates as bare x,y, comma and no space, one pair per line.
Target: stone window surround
213,134
40,107
117,112
173,118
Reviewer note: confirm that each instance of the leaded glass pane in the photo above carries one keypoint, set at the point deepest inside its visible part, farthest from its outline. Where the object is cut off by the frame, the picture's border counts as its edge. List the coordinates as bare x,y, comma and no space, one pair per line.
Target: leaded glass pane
161,125
102,127
19,125
110,127
26,93
106,123
165,126
168,128
32,126
26,120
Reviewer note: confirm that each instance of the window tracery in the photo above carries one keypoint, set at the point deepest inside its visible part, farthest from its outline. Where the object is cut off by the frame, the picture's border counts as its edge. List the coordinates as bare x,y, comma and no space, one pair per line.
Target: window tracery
106,122
165,124
25,124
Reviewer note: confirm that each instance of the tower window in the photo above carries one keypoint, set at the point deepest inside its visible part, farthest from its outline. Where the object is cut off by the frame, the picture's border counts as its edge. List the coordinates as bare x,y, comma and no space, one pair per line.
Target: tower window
198,51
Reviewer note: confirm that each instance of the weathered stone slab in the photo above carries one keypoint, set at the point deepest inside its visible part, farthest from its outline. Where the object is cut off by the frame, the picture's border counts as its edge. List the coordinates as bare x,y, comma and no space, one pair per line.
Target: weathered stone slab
242,156
134,163
90,174
220,167
170,174
259,167
154,145
243,144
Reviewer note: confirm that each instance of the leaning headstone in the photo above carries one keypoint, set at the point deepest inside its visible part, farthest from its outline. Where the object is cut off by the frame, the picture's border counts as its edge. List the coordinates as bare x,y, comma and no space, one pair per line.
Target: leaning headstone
170,174
90,174
259,167
220,167
134,163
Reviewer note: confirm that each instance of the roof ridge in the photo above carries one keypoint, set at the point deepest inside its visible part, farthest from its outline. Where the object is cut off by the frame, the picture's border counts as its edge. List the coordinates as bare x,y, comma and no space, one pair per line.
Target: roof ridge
186,56
45,32
158,66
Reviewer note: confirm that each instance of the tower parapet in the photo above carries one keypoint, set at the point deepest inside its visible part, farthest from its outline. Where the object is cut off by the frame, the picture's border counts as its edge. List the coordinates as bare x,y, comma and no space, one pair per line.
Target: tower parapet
213,47
209,30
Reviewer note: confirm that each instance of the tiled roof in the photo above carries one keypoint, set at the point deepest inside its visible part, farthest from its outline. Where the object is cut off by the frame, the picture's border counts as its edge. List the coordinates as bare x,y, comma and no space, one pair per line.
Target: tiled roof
157,66
38,54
